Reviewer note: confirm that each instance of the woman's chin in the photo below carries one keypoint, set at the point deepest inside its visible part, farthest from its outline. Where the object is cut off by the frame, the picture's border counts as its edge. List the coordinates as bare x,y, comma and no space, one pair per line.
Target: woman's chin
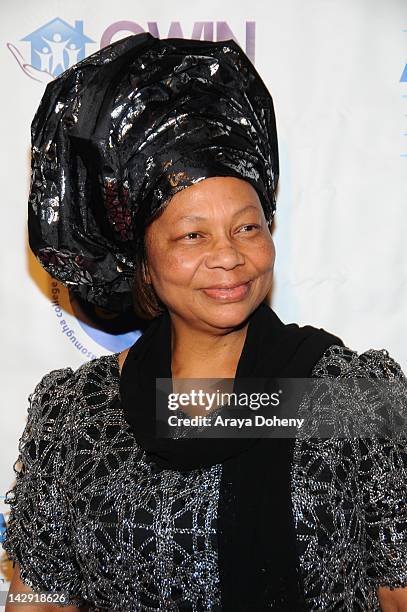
227,314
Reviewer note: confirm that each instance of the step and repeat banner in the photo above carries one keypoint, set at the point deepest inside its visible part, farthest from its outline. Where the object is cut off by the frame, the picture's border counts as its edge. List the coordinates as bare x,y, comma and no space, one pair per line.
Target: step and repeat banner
337,71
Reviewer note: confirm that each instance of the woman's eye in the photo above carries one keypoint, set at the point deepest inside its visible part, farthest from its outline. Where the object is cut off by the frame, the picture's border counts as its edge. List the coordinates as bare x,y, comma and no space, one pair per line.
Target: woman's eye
251,225
191,234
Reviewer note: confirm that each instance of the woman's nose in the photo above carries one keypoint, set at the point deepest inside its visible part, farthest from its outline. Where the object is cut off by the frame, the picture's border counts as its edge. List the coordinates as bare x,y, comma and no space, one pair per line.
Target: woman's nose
224,253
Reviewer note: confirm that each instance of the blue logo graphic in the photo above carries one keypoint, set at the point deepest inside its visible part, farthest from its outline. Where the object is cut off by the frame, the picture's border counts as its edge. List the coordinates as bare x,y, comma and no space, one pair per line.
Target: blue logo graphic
2,527
403,79
113,343
56,46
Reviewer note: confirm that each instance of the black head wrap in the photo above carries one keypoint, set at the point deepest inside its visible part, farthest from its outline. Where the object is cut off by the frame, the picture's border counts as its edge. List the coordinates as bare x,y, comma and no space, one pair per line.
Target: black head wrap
117,135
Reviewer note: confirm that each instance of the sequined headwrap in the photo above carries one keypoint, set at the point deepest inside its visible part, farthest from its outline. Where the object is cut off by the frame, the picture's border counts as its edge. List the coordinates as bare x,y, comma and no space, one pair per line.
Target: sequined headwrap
117,135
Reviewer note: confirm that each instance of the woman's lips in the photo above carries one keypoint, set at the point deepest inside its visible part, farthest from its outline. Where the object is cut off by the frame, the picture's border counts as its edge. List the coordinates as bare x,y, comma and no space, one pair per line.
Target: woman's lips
229,295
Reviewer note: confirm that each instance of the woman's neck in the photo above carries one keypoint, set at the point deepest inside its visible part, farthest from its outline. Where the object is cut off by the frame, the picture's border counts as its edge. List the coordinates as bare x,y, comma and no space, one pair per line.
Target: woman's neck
197,353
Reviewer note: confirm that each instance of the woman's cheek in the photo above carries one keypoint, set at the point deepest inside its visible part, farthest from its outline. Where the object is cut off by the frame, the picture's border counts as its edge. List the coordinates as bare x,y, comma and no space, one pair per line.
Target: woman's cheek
179,266
264,254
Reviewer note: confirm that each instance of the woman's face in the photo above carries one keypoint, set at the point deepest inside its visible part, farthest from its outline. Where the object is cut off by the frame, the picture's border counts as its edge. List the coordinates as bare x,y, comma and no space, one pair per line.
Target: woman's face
211,236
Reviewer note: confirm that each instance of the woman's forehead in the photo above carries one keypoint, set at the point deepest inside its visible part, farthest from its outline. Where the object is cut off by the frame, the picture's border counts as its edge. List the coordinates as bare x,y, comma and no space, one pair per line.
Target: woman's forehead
222,194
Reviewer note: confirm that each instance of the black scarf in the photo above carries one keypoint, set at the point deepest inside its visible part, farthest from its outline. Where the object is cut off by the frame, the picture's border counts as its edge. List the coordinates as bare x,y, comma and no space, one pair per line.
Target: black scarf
258,560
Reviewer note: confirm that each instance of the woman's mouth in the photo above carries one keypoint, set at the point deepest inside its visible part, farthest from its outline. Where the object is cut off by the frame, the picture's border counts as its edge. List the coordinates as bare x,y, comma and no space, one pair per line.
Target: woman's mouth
228,295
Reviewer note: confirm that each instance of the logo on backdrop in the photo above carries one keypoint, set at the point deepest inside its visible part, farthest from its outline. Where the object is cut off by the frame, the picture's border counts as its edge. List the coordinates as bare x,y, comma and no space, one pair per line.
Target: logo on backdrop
54,47
80,322
2,527
403,79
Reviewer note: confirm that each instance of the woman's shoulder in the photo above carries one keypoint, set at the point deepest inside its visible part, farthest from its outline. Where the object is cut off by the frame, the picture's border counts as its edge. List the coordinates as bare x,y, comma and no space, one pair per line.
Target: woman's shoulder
66,375
343,361
341,405
57,388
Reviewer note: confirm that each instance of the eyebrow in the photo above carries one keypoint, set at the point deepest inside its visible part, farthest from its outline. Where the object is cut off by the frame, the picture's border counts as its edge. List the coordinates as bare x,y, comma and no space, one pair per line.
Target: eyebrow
198,218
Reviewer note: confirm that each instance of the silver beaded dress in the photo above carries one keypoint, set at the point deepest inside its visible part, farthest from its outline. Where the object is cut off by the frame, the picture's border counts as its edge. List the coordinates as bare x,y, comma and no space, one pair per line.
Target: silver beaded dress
93,517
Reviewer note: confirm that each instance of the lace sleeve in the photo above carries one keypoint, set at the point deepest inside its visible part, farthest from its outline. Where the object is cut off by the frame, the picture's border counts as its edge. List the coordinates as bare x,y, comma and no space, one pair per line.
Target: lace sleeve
383,473
38,532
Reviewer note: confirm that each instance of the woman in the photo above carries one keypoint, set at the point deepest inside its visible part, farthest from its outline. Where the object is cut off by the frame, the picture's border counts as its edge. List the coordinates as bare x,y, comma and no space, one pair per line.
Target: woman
154,172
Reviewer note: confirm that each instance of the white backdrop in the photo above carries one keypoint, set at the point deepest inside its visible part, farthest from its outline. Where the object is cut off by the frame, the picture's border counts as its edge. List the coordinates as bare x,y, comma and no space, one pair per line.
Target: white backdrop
337,72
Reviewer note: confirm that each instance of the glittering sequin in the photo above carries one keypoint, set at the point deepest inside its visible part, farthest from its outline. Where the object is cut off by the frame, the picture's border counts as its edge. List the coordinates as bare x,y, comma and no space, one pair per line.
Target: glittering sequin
93,516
